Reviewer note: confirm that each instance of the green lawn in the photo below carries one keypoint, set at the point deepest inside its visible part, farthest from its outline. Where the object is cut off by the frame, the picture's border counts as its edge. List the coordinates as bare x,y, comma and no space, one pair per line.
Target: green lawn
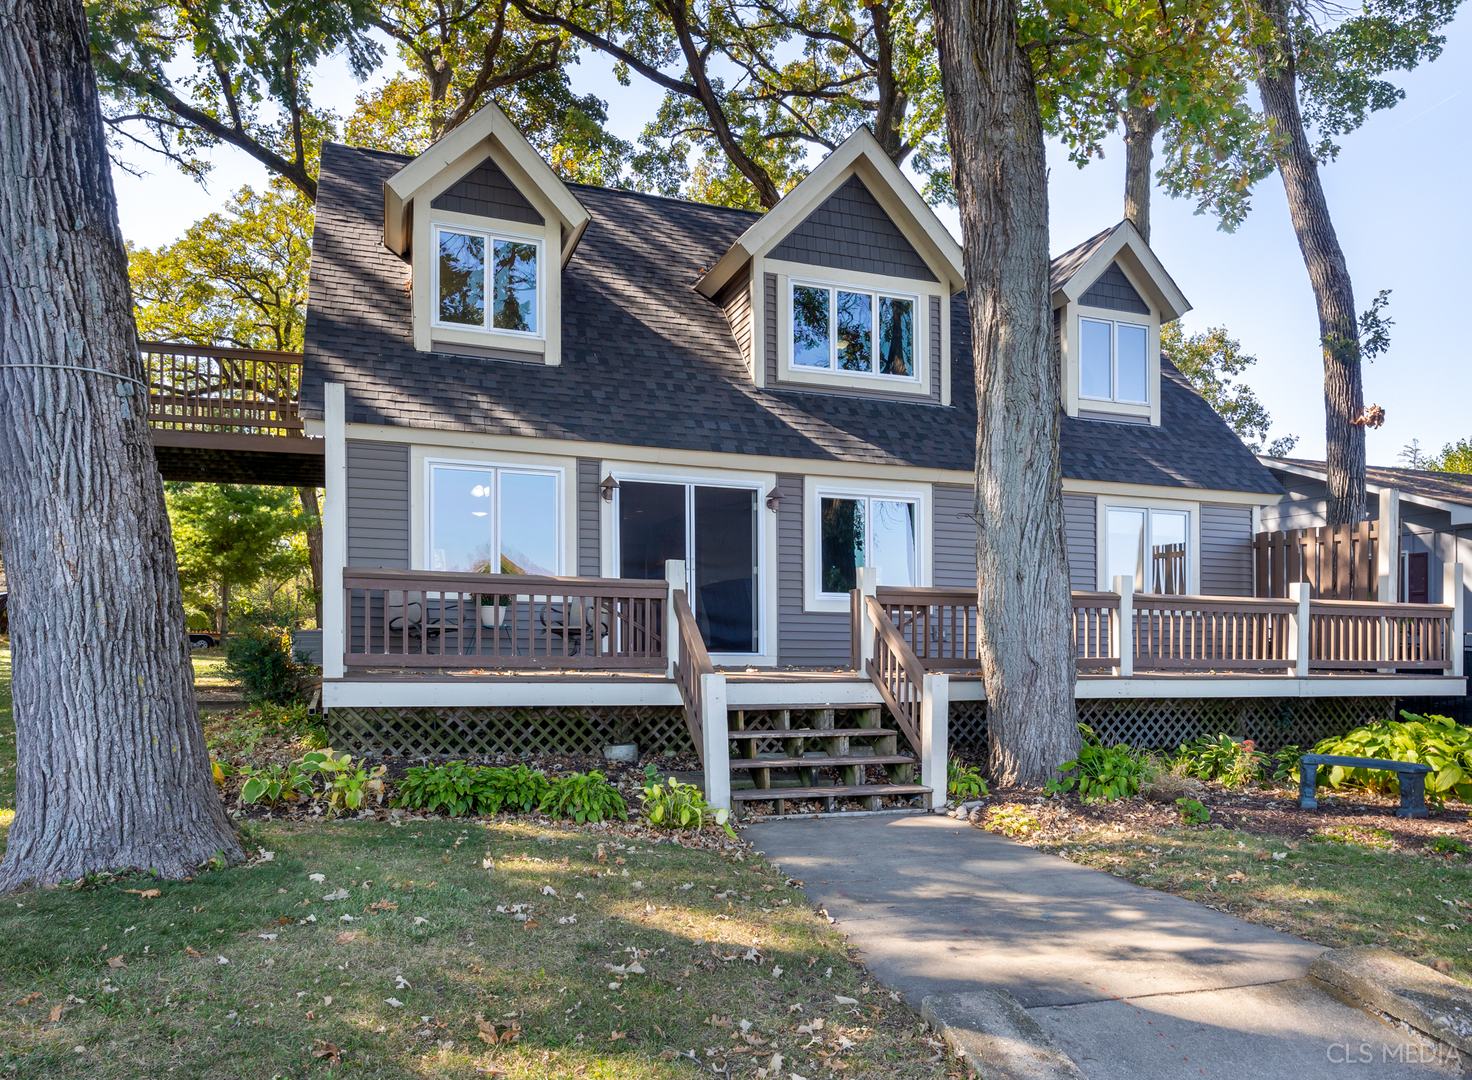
209,670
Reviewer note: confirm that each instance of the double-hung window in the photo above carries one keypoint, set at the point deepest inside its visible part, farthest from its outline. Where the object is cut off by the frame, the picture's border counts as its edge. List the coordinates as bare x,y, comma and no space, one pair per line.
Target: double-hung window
853,331
1114,361
1148,547
489,519
486,281
858,530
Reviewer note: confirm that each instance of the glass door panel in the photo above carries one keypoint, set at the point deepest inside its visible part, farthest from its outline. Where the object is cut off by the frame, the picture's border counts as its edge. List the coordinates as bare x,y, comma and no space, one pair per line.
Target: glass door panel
651,528
1168,552
1124,547
725,567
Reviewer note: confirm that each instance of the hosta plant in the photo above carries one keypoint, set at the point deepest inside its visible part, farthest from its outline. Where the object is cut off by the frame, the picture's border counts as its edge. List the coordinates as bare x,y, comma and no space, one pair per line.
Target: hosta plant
1234,762
674,805
347,784
1103,773
584,797
273,784
451,787
1429,740
964,781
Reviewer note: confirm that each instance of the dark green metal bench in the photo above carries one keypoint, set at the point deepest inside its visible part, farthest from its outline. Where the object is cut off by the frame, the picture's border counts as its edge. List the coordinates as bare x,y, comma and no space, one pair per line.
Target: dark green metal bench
1412,779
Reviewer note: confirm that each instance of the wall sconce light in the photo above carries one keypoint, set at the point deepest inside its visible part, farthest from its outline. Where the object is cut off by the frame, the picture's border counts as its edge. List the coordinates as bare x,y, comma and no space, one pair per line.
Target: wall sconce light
608,487
774,500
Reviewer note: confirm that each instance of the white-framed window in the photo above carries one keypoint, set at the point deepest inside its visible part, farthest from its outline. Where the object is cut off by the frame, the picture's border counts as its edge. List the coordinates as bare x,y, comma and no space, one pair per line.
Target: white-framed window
1114,360
493,518
853,330
487,281
879,530
1150,546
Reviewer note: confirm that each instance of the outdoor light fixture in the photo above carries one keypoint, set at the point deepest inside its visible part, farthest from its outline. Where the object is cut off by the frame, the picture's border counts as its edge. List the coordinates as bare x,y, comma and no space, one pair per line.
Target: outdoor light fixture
774,500
608,487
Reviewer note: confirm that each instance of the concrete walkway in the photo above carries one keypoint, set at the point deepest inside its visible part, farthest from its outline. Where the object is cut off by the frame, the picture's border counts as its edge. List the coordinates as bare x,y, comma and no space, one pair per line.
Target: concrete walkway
1130,982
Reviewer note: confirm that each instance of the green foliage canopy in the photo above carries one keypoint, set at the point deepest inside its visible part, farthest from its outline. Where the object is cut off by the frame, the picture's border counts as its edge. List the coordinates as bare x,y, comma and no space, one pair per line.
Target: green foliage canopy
1211,361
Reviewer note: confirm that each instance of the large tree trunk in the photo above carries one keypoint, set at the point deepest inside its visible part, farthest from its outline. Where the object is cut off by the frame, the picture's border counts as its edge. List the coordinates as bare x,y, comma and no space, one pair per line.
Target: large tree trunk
112,769
308,497
222,610
1277,82
1000,174
1140,126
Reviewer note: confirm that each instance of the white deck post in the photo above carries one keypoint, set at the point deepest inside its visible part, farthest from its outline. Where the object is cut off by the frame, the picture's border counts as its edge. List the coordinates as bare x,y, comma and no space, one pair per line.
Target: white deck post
867,579
1299,624
1387,557
674,576
935,709
1451,593
1124,626
717,756
334,531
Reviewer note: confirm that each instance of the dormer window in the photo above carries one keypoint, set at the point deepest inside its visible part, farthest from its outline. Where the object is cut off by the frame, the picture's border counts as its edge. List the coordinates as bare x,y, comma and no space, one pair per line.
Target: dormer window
1114,361
466,259
853,331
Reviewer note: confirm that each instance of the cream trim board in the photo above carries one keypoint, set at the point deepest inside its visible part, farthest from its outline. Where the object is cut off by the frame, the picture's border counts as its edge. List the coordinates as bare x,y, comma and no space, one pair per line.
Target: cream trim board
1145,271
421,458
1151,491
1193,535
526,338
1071,337
668,473
918,331
815,488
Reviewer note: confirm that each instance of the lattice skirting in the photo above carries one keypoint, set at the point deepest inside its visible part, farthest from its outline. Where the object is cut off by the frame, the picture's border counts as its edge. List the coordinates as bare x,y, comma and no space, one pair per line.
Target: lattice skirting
1165,723
475,731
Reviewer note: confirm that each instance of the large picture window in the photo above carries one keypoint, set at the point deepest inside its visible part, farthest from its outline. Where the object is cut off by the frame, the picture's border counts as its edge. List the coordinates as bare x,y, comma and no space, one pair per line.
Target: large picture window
1114,361
486,282
485,519
860,531
853,331
1147,546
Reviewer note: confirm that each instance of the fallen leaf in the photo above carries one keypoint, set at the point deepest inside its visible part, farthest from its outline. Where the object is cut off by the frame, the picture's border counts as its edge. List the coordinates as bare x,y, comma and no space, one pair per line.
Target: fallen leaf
1237,875
116,962
394,1003
614,1036
336,894
56,1011
420,920
328,1051
845,1000
347,937
529,924
32,996
383,905
318,878
146,894
192,951
490,1067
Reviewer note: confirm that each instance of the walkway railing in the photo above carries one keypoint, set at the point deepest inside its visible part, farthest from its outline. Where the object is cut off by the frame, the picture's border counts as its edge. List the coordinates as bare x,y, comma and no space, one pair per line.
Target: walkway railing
1215,633
426,618
897,673
1345,634
691,662
205,388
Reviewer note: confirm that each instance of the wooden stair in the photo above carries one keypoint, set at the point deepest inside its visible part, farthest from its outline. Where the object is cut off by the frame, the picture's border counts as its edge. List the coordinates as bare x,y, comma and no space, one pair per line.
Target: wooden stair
820,761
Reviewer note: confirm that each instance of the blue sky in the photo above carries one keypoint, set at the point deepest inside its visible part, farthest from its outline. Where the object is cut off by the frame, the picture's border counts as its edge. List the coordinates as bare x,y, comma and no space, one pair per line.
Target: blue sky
1398,194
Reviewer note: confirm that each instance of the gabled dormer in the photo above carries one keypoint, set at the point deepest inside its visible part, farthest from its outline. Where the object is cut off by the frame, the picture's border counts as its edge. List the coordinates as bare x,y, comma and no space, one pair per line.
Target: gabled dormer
845,285
1110,298
487,227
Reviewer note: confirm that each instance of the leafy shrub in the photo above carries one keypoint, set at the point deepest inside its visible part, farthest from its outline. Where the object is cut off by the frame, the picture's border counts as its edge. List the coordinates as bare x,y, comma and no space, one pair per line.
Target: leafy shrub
678,806
347,785
273,784
1429,740
452,786
964,781
584,797
262,661
1193,812
515,788
1285,764
1104,773
1235,762
1015,821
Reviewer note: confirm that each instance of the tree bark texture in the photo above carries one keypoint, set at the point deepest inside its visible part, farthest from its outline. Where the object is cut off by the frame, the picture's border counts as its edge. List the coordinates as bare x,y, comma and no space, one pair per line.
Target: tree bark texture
996,138
308,497
1140,126
112,768
1277,82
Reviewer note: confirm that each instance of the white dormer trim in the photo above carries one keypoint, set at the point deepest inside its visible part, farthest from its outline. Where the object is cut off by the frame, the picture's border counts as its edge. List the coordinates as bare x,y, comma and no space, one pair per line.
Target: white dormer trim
860,153
1126,246
488,129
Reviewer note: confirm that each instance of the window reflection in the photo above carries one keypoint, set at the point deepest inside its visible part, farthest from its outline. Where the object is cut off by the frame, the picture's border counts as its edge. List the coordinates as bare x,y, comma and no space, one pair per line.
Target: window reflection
462,279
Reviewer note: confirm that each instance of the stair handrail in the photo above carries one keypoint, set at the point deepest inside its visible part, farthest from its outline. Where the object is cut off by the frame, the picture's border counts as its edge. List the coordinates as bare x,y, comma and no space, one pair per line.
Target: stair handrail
896,672
691,662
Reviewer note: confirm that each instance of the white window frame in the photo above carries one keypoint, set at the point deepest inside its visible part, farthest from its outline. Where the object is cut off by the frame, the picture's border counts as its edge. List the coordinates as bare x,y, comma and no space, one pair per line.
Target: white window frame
764,653
874,294
1114,325
489,295
814,596
495,469
1193,536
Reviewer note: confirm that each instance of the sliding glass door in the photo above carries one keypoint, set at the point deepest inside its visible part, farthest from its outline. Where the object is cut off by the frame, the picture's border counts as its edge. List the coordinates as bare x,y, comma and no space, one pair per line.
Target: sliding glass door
714,530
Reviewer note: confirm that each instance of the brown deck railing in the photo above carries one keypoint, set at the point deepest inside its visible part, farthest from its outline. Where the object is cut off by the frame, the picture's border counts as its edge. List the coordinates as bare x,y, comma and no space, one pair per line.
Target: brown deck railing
1347,635
897,673
1210,633
426,618
1095,629
691,662
206,388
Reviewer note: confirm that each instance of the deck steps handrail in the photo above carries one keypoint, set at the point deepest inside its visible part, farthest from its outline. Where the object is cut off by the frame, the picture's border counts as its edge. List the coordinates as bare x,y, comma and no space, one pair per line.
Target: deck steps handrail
896,672
691,662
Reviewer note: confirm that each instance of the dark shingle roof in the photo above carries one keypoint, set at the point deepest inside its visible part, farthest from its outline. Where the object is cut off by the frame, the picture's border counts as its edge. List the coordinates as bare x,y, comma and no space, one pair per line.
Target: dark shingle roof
1444,486
648,361
1064,266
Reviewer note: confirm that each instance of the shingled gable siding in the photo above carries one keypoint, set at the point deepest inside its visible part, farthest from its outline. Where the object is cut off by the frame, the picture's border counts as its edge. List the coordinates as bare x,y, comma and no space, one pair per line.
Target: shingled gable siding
804,638
486,191
769,326
378,504
1226,550
935,356
588,544
851,231
1113,290
735,301
954,536
1081,529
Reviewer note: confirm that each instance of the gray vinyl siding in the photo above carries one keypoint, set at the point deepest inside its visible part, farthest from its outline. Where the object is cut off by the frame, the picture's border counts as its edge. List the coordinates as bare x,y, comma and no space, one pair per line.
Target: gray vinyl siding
851,231
1081,532
804,638
954,532
589,548
735,301
378,504
769,326
935,357
486,191
1226,550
